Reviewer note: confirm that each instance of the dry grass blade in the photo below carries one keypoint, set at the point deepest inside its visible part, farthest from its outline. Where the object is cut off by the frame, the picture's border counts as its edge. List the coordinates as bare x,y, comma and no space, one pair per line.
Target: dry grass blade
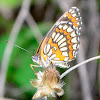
14,33
78,65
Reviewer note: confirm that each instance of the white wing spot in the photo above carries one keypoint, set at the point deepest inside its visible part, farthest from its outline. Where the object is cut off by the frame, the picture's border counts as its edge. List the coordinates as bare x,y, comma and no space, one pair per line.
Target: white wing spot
50,52
61,41
81,22
73,34
77,9
55,48
75,46
53,35
64,49
80,28
60,26
74,8
78,46
78,38
63,22
73,12
74,40
56,36
53,56
65,15
78,13
79,33
66,59
76,28
64,53
56,58
70,23
77,18
70,10
48,47
74,15
65,27
74,53
78,23
69,29
45,49
63,44
60,37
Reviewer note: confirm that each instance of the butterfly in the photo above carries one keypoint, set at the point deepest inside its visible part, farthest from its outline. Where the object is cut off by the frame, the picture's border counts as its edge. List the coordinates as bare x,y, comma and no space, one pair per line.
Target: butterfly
61,43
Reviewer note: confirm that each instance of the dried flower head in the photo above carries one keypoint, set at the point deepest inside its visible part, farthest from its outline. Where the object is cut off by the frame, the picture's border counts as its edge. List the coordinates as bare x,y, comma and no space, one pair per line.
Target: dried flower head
48,83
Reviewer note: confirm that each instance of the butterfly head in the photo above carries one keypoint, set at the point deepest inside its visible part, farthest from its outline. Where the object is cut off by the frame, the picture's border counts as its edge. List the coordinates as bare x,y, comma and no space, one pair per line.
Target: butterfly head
35,59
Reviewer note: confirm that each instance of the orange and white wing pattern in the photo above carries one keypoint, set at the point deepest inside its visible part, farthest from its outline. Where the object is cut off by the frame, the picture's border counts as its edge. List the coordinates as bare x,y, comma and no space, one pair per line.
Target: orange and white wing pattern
61,43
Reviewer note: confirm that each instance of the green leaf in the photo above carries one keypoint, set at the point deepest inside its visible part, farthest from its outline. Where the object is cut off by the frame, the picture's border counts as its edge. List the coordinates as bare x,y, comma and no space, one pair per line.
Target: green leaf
10,3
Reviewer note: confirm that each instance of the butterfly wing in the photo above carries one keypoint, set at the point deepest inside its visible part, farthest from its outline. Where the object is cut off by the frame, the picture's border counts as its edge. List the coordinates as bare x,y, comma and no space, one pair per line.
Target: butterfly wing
62,42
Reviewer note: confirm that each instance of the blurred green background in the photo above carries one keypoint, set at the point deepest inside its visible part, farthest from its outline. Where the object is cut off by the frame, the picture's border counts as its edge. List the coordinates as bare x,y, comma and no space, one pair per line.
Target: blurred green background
19,73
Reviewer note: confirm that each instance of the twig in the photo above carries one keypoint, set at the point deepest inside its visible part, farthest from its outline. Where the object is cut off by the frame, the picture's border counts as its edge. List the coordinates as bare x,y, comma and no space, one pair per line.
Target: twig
86,91
14,33
65,4
31,22
94,38
40,4
50,11
6,99
78,65
83,73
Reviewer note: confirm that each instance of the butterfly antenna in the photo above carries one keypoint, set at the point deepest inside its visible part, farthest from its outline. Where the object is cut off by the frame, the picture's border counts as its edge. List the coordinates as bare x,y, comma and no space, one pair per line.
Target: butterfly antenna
33,51
17,46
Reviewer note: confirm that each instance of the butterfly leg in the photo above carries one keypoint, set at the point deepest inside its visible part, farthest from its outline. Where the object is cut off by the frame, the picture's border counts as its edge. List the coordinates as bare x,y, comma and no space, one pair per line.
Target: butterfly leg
35,65
51,64
33,69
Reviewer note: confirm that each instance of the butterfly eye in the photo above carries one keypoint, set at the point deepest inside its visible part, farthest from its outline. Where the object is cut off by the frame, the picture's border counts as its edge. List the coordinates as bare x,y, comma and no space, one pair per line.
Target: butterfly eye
35,58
